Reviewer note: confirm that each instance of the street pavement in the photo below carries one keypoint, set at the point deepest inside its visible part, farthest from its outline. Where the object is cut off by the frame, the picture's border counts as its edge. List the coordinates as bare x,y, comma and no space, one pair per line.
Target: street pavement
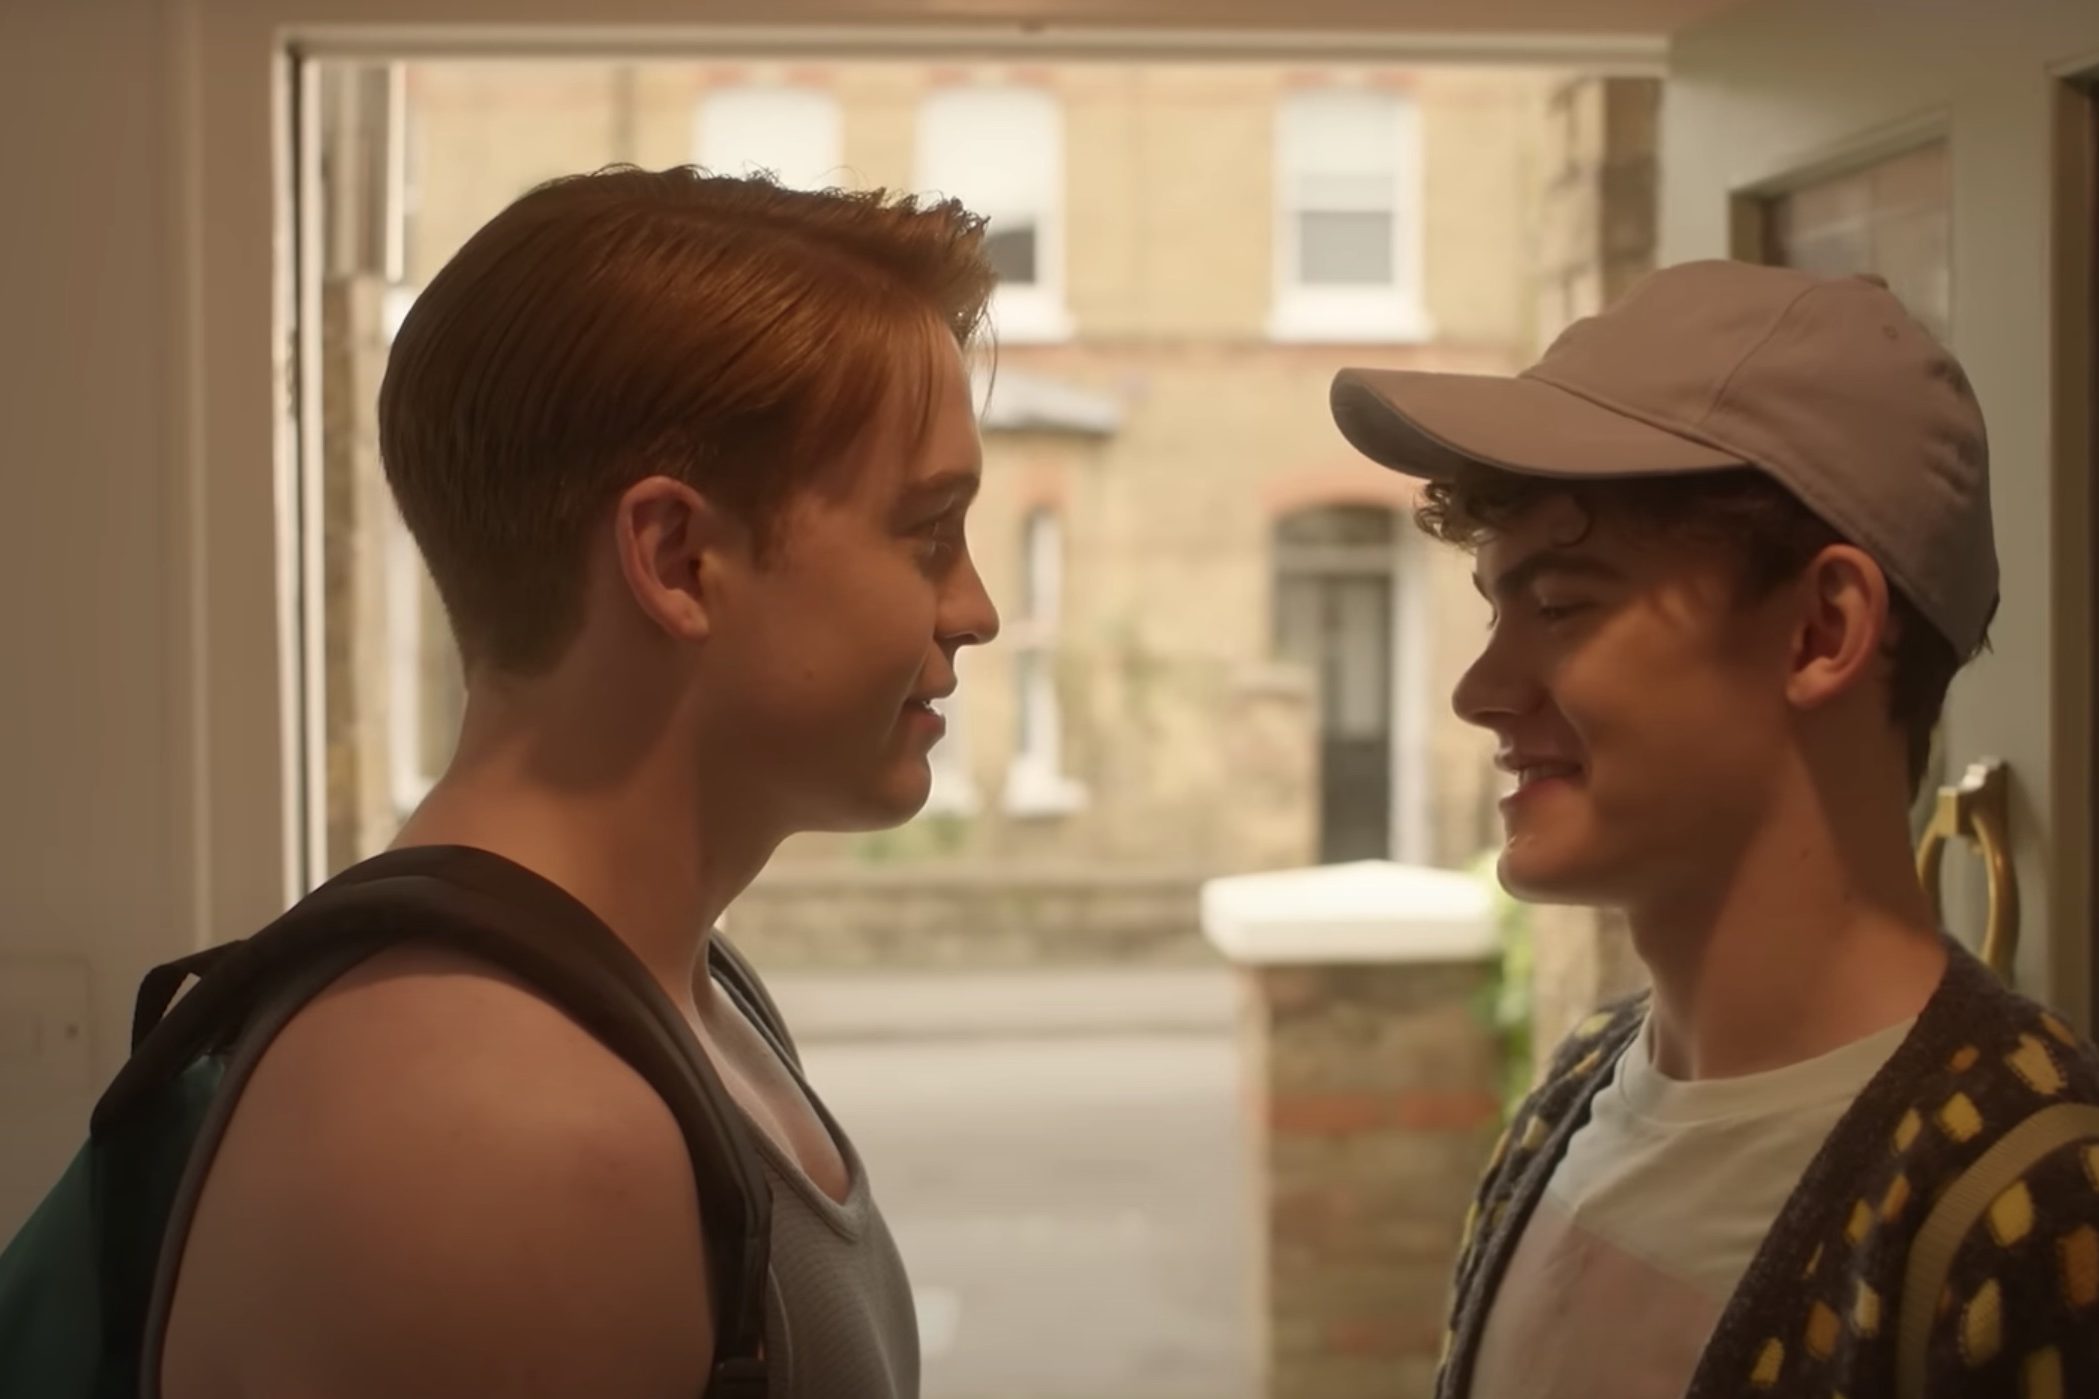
1061,1157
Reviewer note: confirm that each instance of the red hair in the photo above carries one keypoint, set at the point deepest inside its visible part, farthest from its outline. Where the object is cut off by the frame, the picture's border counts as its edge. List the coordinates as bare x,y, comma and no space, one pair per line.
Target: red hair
728,332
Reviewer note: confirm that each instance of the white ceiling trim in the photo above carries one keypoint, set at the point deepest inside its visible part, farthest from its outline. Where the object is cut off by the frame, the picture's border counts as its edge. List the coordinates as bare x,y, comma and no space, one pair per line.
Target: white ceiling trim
1629,54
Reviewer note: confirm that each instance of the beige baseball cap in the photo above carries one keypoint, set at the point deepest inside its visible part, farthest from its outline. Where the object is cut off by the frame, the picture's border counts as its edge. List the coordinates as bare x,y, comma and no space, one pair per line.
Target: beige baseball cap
1827,384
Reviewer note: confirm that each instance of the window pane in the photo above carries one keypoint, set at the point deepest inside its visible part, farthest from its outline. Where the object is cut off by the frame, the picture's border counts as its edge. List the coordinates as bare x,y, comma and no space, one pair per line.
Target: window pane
1369,192
1337,248
997,149
791,132
1011,250
1000,150
1340,133
1042,568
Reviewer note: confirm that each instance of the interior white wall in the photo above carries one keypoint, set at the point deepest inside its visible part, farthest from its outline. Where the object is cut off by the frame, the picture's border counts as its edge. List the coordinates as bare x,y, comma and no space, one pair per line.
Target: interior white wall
1776,86
95,754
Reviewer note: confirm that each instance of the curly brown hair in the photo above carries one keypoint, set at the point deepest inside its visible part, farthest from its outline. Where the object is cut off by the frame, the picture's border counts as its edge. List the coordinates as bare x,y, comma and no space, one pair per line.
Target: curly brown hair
1770,533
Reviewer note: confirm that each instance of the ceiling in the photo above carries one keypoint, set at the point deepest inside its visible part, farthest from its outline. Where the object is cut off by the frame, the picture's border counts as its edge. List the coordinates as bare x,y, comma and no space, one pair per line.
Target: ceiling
1481,17
1603,35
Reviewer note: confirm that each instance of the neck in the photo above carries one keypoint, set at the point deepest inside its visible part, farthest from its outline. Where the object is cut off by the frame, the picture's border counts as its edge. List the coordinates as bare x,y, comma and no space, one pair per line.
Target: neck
1814,935
609,813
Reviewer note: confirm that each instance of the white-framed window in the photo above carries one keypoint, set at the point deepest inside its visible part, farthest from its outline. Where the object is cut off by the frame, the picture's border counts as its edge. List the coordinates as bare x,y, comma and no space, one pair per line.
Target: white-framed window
794,133
1348,217
1000,150
1036,784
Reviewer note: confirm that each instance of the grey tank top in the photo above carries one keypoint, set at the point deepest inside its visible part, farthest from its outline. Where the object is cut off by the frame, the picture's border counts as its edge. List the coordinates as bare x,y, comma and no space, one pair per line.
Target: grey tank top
840,1319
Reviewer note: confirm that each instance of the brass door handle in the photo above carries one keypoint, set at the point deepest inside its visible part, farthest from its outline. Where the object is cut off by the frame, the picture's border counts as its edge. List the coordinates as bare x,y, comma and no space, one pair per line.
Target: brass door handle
1978,808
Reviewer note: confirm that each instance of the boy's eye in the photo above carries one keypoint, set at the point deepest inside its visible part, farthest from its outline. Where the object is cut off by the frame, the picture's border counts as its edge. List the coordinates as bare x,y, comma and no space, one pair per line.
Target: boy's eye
940,537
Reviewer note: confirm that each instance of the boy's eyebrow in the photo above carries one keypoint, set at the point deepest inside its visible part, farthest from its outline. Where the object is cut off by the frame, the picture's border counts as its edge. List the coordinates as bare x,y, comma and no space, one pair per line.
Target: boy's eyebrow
1520,575
957,486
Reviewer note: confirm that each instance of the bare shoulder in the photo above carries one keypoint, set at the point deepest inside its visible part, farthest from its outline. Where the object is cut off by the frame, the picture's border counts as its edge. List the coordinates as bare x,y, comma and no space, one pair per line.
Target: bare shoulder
436,1183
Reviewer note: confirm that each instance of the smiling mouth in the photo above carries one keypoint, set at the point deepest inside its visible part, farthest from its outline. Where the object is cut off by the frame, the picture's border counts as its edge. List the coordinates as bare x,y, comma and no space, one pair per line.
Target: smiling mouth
1532,774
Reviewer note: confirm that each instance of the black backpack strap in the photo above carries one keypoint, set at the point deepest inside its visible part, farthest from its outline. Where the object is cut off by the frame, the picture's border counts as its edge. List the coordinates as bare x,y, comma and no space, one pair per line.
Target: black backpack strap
487,907
156,992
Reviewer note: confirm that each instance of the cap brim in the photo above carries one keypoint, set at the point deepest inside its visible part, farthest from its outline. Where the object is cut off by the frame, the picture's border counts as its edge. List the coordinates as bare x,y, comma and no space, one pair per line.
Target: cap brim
1433,425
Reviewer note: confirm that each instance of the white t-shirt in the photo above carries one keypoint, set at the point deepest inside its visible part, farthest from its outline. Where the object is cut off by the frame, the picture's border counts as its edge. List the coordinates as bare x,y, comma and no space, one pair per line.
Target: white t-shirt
1651,1219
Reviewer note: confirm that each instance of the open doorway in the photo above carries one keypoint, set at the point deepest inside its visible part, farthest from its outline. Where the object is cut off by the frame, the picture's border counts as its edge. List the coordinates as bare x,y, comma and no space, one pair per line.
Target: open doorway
1336,596
1009,1002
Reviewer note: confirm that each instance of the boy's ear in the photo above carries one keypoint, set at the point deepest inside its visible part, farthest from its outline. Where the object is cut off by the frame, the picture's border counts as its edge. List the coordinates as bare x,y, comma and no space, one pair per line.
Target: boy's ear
1841,633
671,543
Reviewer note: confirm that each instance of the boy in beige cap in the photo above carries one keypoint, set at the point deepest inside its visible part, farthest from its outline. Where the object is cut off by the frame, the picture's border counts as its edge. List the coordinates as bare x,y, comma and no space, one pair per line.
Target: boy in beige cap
1735,536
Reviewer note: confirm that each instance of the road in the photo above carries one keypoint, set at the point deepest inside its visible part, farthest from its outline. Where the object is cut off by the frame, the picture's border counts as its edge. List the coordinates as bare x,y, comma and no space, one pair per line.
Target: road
1063,1165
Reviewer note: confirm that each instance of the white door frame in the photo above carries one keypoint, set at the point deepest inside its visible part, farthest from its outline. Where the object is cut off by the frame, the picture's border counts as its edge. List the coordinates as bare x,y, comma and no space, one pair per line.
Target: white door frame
2074,276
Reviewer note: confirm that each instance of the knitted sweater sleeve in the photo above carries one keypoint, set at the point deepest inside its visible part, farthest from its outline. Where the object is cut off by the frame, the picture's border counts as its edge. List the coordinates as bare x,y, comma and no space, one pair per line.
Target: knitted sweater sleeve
2020,1315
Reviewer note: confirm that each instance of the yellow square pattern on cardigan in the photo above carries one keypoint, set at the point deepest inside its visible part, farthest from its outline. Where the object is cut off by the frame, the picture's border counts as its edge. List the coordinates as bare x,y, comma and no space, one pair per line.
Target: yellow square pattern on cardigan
2032,1062
1959,1120
1865,1311
2078,1254
2011,1215
1768,1365
2042,1375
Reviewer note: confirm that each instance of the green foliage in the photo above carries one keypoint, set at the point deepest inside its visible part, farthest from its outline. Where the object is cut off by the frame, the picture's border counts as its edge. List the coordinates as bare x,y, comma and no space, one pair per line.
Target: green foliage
937,836
1506,1003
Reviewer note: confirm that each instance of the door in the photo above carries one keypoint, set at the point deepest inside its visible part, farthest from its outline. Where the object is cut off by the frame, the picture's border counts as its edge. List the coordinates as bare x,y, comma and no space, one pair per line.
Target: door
1335,580
1925,143
2077,377
1890,217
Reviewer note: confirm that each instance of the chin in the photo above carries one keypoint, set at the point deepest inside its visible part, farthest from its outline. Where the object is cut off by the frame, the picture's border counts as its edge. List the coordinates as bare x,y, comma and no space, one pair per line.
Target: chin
896,813
908,789
1538,874
893,799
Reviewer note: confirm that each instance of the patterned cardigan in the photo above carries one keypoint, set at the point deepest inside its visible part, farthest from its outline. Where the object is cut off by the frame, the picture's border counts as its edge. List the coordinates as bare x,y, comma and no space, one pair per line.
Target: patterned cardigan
1814,1317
